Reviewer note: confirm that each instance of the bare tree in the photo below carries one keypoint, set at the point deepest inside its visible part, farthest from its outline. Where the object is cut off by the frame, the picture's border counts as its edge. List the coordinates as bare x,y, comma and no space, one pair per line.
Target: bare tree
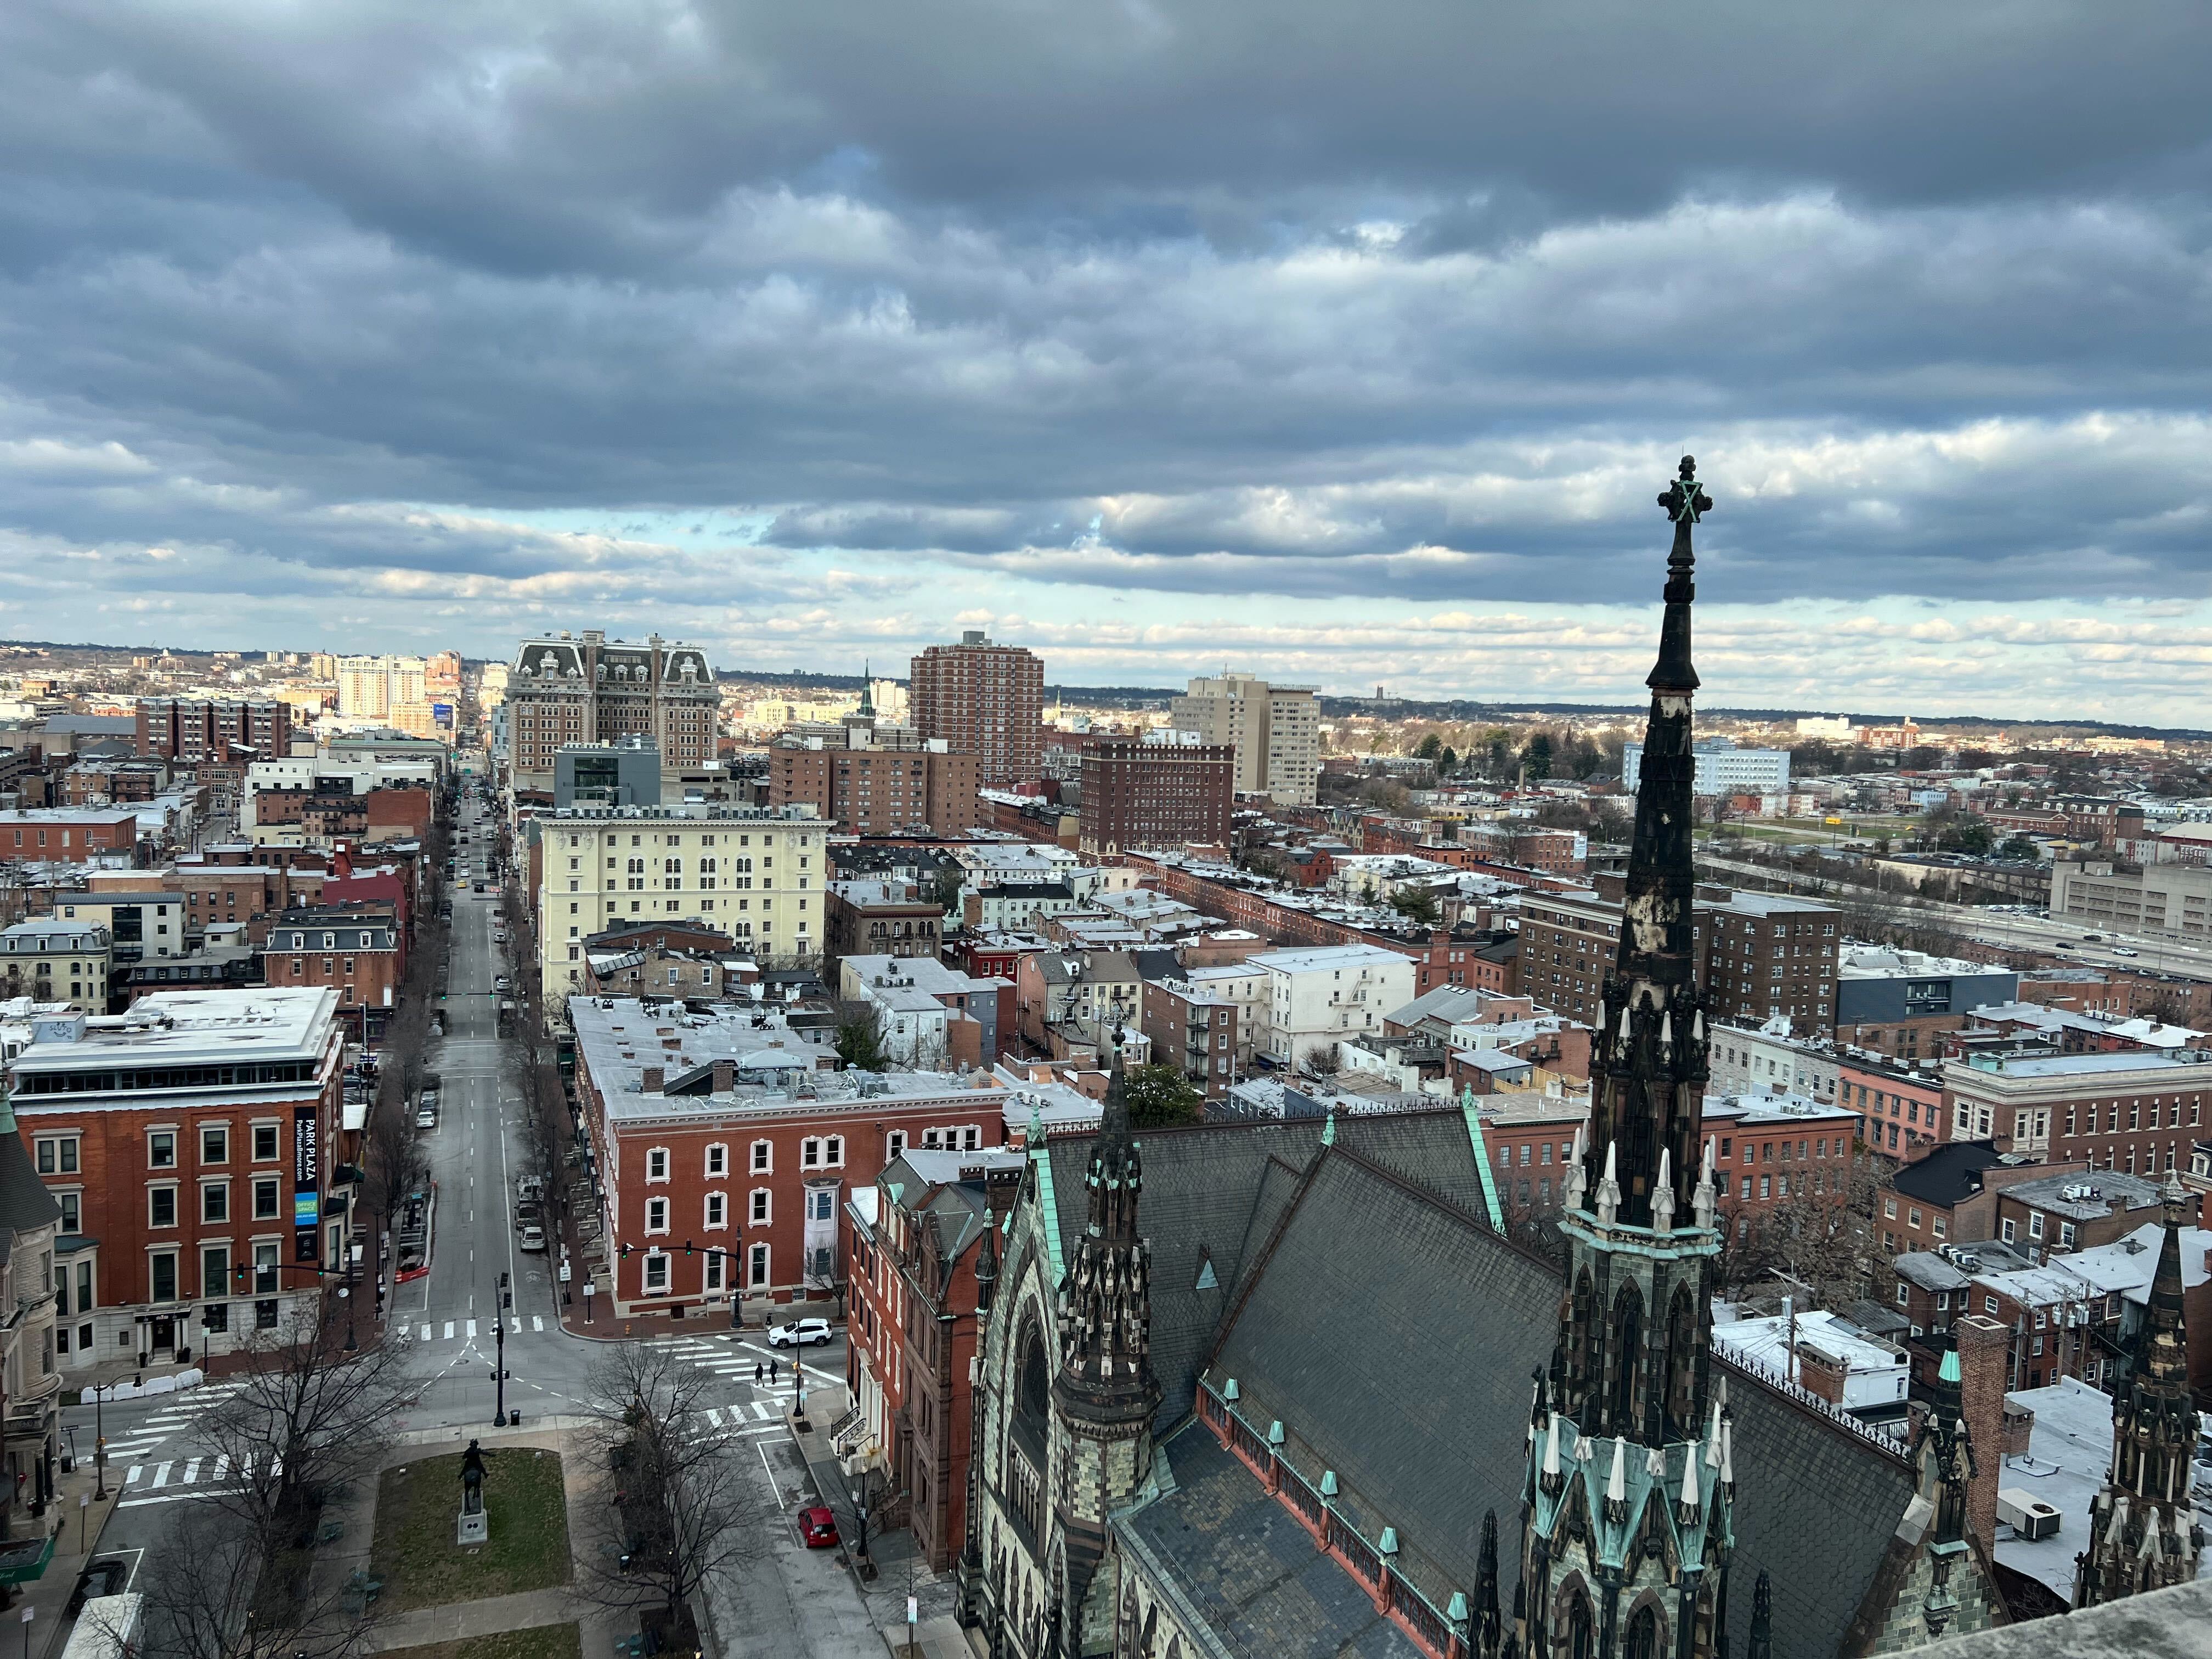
214,1591
1824,1235
308,1415
685,1504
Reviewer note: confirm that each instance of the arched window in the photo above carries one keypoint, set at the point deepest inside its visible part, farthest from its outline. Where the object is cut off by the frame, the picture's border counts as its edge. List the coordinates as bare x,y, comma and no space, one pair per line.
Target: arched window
1627,1345
1035,1401
1581,1637
1682,1366
1644,1633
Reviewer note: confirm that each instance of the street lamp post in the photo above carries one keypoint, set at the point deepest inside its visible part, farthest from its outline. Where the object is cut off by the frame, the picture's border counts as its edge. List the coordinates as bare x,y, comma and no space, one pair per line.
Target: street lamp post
98,1446
499,1373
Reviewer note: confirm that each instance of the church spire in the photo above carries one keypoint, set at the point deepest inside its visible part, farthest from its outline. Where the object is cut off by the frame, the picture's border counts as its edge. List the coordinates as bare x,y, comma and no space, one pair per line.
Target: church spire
1106,1369
1625,1547
2143,1533
867,690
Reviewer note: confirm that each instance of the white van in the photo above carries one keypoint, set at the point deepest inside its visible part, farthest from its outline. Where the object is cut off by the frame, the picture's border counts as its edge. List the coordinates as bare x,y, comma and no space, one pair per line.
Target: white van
107,1628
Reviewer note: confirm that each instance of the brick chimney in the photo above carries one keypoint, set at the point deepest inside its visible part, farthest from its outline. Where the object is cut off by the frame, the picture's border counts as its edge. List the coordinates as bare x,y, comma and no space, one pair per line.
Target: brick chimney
1983,1347
653,1074
1821,1373
726,1076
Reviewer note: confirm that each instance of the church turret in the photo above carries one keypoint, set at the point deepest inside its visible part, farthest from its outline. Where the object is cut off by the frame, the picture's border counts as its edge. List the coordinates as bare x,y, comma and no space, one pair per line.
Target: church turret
2143,1533
1624,1545
1105,1394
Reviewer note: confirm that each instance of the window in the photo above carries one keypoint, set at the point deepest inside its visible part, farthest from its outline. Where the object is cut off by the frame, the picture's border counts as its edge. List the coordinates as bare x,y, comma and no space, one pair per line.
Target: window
72,1218
895,1144
1988,1304
656,1272
1889,1209
718,1160
161,1150
757,1266
760,1206
656,1215
161,1206
164,1264
718,1210
215,1270
1903,1294
2005,1230
2035,1224
822,1204
265,1142
656,1164
214,1200
763,1156
833,1151
57,1155
215,1143
264,1199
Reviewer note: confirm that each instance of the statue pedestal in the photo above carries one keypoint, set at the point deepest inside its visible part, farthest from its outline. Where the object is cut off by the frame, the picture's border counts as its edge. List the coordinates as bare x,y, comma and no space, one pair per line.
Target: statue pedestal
472,1528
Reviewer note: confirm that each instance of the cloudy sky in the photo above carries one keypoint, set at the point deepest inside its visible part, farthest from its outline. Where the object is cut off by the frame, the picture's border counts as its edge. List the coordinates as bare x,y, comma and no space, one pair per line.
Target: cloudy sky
1347,343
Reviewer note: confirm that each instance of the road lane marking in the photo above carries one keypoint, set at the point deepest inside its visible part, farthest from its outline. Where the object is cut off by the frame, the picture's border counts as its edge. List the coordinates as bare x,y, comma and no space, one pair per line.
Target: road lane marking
537,1322
449,1330
162,1475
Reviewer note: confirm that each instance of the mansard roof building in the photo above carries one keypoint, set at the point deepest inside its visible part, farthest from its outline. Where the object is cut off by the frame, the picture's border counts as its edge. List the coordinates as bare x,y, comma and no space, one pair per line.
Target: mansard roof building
1268,1389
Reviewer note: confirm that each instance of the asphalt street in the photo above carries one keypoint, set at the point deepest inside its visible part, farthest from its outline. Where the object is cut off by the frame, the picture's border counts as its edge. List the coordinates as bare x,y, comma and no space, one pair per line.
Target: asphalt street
446,1323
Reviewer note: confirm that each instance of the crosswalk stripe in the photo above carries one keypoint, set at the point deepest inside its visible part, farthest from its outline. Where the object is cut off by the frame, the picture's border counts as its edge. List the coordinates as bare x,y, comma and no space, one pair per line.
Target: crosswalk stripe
449,1330
222,1463
426,1333
714,1416
760,1410
472,1330
537,1322
191,1471
162,1475
137,1470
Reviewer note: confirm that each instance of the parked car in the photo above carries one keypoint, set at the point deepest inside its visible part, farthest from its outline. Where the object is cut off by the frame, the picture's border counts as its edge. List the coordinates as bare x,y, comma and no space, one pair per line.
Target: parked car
818,1526
103,1577
801,1334
502,983
426,1117
533,1238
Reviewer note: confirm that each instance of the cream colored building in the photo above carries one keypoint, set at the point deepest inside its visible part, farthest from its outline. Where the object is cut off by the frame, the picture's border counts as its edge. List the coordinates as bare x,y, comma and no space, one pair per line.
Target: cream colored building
375,688
1276,730
756,874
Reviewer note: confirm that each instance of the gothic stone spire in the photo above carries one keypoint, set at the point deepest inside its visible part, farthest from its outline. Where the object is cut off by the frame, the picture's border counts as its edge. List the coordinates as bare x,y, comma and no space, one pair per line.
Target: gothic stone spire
1106,1362
1625,1546
2143,1533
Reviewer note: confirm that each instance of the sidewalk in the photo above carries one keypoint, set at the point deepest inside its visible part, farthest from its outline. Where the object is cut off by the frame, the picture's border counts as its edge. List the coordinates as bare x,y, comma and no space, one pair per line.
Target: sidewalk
47,1595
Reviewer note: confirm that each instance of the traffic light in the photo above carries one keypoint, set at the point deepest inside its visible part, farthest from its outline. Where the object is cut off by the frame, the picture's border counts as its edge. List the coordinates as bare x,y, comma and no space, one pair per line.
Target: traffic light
687,1247
238,1274
625,1252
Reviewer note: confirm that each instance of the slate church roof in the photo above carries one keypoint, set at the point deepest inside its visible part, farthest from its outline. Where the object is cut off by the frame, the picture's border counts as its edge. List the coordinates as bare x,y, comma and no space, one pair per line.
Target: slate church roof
1364,1302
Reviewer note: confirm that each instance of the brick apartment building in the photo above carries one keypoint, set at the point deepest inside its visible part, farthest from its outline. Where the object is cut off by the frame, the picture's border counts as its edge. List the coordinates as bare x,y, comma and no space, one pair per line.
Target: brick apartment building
1195,1030
1900,1109
113,783
193,730
2138,1112
877,791
591,689
1757,954
245,894
195,1139
1156,794
1949,1195
726,1150
915,1243
57,962
65,834
356,950
982,699
879,919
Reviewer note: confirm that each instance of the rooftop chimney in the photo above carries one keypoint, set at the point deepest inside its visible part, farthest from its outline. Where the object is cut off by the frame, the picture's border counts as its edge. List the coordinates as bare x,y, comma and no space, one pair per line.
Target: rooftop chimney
653,1077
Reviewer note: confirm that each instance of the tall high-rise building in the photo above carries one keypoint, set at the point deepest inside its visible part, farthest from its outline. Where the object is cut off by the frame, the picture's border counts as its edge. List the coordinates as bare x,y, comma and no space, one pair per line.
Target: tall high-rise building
589,688
374,688
196,730
1275,729
982,699
1155,794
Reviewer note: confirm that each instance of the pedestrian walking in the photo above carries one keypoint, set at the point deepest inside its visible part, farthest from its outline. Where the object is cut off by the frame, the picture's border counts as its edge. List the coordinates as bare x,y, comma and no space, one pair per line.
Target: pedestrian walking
757,1373
771,1373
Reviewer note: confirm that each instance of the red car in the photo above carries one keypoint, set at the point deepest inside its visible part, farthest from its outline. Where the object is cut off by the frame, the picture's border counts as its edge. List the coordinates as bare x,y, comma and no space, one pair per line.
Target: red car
818,1528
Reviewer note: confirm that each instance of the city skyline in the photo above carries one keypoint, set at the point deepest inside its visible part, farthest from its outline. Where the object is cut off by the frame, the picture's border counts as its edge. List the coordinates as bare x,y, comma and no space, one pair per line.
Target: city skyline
770,344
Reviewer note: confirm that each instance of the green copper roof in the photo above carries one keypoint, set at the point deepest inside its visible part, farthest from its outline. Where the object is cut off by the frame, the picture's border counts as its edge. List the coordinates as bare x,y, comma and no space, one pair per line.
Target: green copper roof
1949,1373
1482,1161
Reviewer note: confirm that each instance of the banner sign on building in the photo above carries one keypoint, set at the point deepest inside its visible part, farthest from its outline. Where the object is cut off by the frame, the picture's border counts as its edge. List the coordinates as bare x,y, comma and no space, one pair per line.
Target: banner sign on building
307,1167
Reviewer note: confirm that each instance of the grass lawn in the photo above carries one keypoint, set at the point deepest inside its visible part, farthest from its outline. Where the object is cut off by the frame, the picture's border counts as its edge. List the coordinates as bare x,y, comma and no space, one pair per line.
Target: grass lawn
545,1642
416,1505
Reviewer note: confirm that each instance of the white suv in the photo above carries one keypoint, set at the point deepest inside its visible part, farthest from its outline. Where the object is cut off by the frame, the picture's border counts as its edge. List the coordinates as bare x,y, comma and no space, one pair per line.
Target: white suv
805,1332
